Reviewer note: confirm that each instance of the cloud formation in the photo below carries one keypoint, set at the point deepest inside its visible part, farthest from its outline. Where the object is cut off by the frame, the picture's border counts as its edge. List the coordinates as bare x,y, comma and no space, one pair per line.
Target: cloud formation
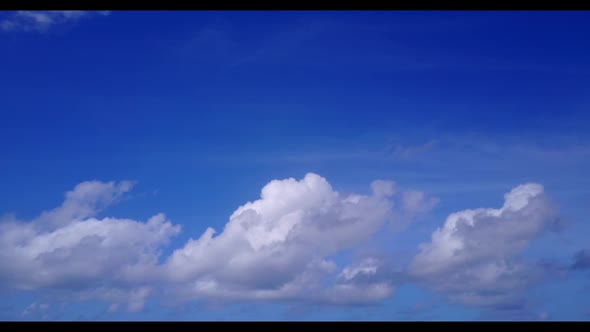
67,248
401,151
42,20
278,247
474,257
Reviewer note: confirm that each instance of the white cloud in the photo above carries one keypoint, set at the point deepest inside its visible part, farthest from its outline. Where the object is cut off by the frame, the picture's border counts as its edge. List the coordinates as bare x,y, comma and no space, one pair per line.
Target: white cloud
366,267
474,256
84,201
278,246
67,248
42,20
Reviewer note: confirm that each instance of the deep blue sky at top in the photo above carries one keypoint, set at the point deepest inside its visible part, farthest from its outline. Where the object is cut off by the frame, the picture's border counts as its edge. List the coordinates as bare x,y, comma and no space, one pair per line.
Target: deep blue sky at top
127,95
204,108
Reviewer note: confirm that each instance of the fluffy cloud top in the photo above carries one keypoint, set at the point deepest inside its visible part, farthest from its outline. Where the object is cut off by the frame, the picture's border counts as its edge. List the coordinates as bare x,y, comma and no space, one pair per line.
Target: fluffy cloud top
474,256
278,247
42,20
67,248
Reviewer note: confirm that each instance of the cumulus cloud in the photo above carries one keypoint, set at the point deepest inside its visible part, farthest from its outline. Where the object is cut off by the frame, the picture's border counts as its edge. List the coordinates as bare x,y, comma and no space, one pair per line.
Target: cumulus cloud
84,201
42,20
278,247
68,248
474,257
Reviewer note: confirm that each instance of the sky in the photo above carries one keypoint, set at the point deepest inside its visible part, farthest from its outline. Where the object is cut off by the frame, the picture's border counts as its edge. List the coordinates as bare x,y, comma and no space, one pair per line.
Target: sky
294,165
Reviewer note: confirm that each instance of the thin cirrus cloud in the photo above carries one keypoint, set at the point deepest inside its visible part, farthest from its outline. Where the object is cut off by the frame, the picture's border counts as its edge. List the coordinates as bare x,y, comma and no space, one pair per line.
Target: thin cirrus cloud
279,247
43,20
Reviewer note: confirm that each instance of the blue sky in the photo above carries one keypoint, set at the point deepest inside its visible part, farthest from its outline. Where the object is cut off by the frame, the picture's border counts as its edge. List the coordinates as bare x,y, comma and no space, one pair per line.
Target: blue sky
125,135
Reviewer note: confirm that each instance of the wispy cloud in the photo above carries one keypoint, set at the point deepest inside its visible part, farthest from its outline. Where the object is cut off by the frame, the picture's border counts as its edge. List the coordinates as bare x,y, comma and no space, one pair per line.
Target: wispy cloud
410,151
36,310
43,20
420,307
221,41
